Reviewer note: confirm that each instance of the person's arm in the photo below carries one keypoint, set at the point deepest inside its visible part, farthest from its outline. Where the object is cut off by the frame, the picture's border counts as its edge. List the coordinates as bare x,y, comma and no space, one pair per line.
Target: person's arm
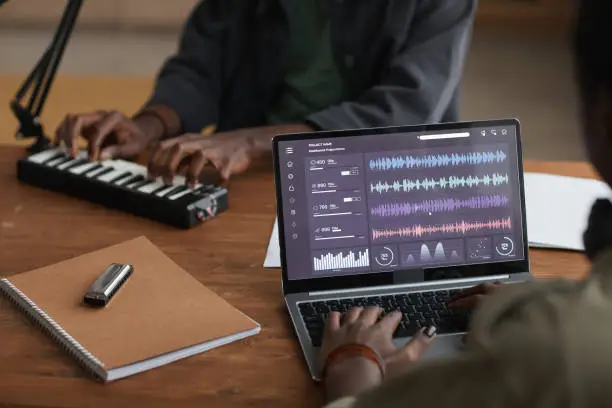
471,381
188,86
420,80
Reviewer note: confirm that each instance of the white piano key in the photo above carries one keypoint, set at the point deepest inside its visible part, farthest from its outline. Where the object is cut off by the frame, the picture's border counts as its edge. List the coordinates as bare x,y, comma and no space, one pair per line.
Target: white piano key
161,193
183,193
94,173
80,156
54,162
82,168
178,181
149,188
44,155
134,168
135,183
124,180
117,170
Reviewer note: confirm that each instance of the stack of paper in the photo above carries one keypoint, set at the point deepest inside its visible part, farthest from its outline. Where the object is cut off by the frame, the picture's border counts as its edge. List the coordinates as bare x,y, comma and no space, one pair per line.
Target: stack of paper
558,208
273,255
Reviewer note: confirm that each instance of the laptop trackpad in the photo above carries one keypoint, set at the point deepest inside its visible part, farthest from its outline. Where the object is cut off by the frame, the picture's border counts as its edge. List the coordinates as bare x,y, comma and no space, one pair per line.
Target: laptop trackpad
443,346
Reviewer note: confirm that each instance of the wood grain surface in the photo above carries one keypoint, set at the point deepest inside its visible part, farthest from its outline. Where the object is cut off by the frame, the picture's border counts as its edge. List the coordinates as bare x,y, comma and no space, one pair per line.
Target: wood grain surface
39,227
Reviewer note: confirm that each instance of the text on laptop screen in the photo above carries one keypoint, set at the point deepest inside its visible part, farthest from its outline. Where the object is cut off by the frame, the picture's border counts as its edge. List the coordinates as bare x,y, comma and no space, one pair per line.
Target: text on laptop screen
398,201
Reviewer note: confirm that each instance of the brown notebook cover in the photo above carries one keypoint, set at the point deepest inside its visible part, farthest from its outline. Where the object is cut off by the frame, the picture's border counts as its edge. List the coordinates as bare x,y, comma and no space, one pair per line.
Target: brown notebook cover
161,314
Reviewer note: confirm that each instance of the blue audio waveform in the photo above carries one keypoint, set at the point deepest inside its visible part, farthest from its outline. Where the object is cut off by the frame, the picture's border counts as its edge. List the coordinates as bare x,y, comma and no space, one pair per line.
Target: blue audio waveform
440,205
452,182
437,160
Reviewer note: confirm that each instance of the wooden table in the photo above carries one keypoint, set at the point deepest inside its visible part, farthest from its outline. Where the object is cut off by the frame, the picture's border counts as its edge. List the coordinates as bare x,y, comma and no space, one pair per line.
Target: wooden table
39,227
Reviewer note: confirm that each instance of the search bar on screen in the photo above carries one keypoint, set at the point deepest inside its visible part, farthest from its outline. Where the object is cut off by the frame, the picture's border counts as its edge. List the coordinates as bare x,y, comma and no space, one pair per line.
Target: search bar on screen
445,136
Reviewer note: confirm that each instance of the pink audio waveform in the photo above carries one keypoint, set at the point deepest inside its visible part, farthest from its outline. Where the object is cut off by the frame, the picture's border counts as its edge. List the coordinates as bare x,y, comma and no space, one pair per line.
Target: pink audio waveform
461,227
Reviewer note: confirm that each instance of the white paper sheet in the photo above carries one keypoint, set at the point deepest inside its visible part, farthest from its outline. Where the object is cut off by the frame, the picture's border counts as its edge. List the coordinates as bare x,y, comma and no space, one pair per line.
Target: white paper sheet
557,212
273,255
558,209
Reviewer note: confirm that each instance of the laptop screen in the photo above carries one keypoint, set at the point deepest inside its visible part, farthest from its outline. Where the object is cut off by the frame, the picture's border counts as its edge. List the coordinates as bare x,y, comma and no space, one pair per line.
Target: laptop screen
385,202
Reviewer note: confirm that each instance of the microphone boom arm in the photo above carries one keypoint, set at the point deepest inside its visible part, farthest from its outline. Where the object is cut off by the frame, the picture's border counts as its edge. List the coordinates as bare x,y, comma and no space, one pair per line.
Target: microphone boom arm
41,79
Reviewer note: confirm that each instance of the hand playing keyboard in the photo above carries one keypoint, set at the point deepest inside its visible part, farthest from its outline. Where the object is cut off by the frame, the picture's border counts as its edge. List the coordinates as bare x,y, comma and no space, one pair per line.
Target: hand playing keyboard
123,185
418,310
108,134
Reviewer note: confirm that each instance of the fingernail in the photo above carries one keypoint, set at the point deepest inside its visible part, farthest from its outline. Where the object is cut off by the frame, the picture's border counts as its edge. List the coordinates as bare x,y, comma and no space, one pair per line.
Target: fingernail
430,331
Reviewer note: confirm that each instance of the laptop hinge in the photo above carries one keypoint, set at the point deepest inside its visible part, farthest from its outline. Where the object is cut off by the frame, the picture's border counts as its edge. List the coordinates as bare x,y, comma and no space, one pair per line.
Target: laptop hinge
420,285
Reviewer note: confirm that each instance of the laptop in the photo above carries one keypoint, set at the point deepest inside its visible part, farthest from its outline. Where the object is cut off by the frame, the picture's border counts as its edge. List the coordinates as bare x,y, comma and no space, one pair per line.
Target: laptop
398,217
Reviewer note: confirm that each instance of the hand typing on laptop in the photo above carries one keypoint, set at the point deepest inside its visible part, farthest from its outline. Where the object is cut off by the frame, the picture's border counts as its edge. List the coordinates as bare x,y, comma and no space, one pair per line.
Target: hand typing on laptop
358,351
472,297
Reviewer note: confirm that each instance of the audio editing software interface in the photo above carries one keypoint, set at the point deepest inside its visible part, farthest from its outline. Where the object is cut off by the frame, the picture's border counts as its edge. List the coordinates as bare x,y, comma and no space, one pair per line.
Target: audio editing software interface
398,201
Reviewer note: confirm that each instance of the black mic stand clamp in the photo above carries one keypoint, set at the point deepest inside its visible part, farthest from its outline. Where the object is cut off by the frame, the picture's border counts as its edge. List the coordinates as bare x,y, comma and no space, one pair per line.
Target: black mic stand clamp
30,127
41,78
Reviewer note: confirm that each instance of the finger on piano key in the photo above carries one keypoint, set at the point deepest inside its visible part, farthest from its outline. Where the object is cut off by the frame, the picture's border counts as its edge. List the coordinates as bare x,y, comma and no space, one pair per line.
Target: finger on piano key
80,159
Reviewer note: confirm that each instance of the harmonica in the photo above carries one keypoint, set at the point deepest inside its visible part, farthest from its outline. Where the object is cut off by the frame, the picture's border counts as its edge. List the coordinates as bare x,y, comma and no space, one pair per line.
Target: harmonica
108,284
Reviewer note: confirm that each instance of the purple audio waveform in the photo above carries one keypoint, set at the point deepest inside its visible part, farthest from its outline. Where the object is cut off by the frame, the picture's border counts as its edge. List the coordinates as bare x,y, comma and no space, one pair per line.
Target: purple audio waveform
459,227
439,206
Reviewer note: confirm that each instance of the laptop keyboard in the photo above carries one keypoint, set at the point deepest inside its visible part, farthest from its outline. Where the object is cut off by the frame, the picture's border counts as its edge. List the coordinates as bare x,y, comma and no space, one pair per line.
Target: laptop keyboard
419,310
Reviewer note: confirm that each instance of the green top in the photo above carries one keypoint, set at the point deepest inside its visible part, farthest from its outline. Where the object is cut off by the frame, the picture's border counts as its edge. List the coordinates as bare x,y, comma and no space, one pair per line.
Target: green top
312,81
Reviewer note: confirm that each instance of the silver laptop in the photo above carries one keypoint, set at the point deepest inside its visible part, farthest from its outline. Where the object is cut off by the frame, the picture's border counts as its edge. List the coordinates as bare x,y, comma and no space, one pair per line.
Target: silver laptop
400,217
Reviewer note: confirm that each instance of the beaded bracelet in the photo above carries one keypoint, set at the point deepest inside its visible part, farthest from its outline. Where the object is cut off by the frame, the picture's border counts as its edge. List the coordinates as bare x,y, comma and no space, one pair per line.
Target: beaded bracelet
354,350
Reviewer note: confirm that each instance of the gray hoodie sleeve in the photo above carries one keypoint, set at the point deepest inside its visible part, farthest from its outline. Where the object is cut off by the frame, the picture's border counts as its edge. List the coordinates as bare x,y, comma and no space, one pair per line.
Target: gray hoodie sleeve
421,79
189,82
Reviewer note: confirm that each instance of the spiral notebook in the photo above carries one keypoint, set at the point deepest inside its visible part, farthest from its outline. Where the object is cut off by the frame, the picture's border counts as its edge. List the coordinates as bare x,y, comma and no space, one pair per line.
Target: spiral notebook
162,314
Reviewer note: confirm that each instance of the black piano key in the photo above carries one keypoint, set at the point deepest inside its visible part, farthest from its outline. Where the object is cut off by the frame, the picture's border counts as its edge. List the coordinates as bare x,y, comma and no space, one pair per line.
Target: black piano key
140,183
130,180
54,157
92,169
206,188
103,172
75,163
119,177
174,191
165,186
62,161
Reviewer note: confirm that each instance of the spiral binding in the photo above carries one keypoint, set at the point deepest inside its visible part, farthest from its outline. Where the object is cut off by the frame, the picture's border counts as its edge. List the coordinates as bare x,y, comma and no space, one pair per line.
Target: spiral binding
50,326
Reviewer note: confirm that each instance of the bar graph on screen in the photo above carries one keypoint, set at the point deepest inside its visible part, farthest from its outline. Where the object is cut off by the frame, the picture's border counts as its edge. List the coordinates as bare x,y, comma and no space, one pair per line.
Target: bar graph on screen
341,259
